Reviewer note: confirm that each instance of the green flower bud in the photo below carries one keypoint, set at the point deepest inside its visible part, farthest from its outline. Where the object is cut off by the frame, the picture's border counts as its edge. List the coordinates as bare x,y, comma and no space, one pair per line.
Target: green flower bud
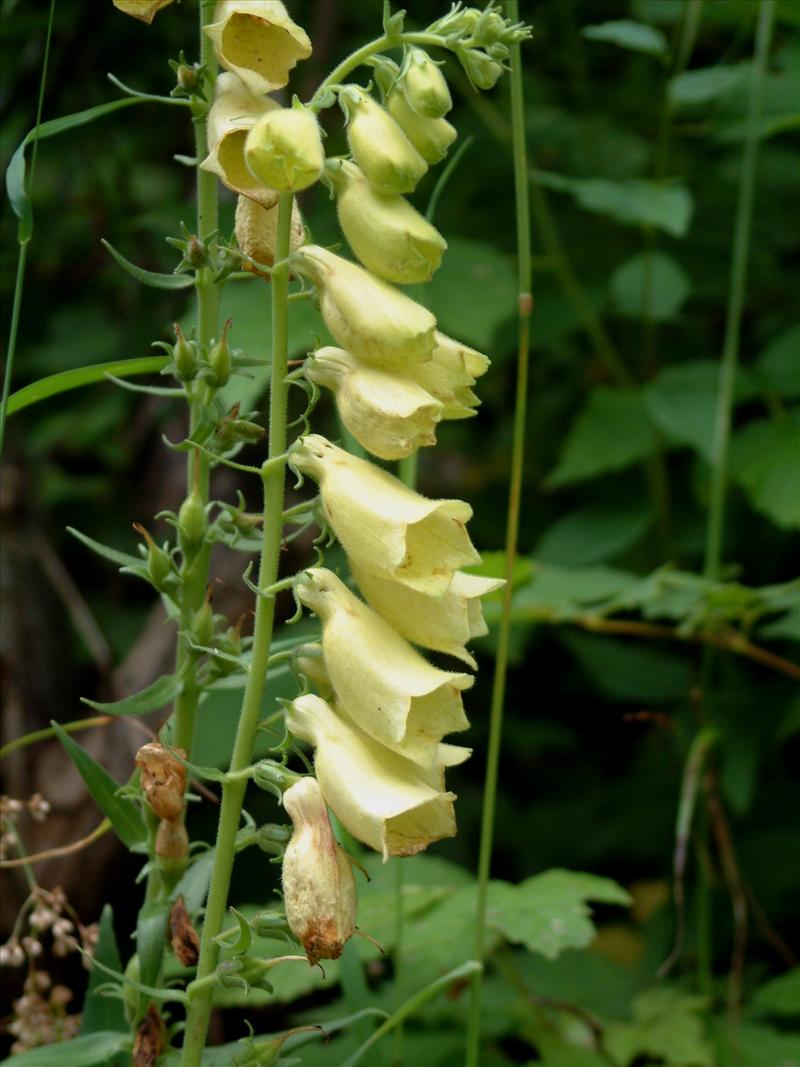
159,564
219,359
387,157
482,71
388,235
203,624
424,85
284,149
183,357
192,523
430,137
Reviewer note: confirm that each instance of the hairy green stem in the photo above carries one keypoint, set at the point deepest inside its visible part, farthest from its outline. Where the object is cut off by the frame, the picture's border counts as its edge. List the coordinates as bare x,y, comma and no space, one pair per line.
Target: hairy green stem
233,790
512,533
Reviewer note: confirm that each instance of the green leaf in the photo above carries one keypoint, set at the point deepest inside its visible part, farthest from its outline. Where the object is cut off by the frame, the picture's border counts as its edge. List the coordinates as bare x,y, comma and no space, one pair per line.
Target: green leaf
195,881
667,1027
122,812
698,88
757,1046
158,694
55,384
612,431
549,913
780,996
778,367
634,201
151,941
84,1051
594,533
626,33
103,1013
765,462
124,559
630,671
649,285
557,594
150,277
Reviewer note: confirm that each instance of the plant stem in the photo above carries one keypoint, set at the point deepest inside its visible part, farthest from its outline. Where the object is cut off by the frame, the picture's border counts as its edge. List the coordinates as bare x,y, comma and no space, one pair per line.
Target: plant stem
736,294
233,790
512,532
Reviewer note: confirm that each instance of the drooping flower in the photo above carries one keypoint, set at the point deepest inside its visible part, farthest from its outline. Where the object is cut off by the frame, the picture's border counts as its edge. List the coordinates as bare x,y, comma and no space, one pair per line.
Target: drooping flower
431,137
389,415
284,150
387,157
384,526
424,85
449,375
366,316
144,10
257,40
381,798
319,891
389,690
387,234
257,229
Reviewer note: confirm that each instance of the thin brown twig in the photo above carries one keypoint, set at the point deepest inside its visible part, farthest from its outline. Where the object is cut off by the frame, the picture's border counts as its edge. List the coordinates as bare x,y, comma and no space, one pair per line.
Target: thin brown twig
61,850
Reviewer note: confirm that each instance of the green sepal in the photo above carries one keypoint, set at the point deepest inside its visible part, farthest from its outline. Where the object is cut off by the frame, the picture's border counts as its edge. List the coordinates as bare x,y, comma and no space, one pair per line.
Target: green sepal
149,277
123,559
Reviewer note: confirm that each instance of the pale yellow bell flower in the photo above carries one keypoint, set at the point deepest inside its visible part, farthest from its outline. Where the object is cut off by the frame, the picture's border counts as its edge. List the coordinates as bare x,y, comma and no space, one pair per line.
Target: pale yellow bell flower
144,10
449,374
382,524
389,690
366,316
387,234
387,157
256,231
307,659
319,891
442,623
257,40
232,115
430,137
284,149
424,85
389,415
379,797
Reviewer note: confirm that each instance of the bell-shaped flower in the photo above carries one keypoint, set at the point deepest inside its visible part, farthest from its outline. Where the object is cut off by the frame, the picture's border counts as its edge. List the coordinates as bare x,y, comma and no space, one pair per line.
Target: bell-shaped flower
387,157
366,316
389,415
443,623
257,40
383,525
449,375
431,137
319,891
232,115
144,10
381,798
389,690
284,150
387,234
307,660
424,85
256,231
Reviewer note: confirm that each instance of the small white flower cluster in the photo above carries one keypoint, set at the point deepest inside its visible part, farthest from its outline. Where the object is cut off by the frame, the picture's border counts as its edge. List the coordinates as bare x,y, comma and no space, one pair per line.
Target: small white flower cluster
10,809
40,1015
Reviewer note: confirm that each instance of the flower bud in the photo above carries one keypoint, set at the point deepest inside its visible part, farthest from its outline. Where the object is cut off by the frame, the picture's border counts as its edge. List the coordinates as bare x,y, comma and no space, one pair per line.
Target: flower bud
387,157
220,362
319,891
163,779
172,844
389,415
203,624
388,235
424,85
257,230
144,10
284,149
192,522
184,359
159,564
482,71
366,316
257,40
430,137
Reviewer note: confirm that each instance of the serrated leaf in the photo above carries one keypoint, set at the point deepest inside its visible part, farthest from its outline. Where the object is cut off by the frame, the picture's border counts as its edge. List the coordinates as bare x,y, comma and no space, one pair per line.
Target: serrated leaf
103,1013
778,367
612,431
649,285
149,277
557,594
765,462
668,1027
161,692
760,1046
694,88
55,384
113,555
779,996
122,812
594,533
627,33
85,1051
628,671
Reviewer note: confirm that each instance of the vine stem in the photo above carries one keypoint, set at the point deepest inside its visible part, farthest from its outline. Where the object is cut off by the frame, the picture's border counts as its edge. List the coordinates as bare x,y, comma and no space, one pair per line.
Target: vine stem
233,790
512,532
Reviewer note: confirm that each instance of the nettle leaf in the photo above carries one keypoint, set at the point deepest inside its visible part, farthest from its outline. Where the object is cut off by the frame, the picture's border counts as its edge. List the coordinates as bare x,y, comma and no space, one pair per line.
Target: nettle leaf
628,671
612,431
557,594
103,1013
158,694
780,996
627,33
84,1051
697,88
758,1046
778,367
765,462
650,285
667,1026
594,533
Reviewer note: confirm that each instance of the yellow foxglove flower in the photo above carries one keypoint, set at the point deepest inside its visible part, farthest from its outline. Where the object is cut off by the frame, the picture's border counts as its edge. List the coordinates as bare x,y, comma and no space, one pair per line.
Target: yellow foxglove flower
319,891
379,797
389,690
458,357
307,659
284,150
430,137
366,316
443,623
449,375
389,415
387,234
388,159
257,40
145,10
383,525
424,85
257,228
232,115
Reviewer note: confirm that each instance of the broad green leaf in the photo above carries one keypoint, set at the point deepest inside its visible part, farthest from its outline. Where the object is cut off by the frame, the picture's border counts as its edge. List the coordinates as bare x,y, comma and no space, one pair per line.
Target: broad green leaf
778,367
594,533
612,431
124,559
557,594
634,201
55,384
85,1051
765,462
758,1046
158,694
668,1026
627,33
123,813
150,277
555,1052
649,285
696,88
629,670
103,1013
779,996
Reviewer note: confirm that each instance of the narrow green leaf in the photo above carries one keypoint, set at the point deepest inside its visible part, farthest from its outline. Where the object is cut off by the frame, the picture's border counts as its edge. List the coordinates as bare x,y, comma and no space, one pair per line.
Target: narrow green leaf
122,812
124,559
194,883
154,696
627,33
54,384
85,1051
149,277
103,1013
151,940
